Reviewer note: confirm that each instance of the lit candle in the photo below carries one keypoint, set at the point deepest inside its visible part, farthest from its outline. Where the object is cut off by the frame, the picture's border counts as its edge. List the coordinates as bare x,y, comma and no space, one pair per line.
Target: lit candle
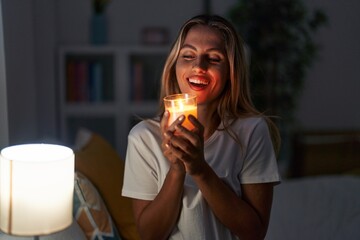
181,104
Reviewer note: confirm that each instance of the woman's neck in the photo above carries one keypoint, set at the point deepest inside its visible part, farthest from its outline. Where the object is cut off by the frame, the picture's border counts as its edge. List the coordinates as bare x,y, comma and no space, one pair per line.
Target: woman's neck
209,118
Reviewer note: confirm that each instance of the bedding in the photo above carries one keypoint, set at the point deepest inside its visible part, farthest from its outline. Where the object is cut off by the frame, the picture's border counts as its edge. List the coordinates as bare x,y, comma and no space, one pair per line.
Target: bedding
322,207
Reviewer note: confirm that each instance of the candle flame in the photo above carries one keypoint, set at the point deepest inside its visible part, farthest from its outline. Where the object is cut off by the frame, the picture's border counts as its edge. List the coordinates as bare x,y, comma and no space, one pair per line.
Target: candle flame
181,105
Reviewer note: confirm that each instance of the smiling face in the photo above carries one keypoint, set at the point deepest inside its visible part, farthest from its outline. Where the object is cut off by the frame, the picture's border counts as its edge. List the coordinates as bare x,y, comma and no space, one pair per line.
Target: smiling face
202,67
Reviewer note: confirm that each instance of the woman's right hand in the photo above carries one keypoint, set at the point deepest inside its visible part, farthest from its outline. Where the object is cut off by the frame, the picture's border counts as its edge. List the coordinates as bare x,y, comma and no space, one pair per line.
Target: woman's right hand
166,131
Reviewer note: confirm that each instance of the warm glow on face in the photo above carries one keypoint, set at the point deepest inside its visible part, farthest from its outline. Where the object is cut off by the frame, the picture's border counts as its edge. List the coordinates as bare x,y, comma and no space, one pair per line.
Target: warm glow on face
36,189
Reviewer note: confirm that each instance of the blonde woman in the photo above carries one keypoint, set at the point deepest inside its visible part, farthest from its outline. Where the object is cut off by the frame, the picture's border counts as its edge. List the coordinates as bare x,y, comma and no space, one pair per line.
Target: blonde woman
216,180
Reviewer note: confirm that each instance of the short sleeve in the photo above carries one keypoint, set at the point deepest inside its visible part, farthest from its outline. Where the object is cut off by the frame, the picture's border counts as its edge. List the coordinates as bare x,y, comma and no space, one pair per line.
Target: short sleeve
140,177
260,164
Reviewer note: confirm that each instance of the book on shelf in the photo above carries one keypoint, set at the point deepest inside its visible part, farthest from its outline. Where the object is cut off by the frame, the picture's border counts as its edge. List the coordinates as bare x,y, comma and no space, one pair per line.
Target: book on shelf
84,81
70,81
96,80
137,82
145,82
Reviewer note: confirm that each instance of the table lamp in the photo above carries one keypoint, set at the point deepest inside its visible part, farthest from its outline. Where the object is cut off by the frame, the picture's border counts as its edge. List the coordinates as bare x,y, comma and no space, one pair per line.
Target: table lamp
36,189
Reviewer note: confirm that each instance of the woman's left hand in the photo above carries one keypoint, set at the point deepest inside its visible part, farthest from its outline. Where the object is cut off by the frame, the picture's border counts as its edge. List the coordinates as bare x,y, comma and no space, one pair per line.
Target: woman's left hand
188,146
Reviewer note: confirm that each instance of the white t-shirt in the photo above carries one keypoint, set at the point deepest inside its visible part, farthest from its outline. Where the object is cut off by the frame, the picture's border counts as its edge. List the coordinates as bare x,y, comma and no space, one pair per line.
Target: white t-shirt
252,162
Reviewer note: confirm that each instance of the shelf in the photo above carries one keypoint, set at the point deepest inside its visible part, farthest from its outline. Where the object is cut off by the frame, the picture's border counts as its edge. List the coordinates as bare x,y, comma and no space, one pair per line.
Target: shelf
89,77
126,89
90,109
145,75
150,107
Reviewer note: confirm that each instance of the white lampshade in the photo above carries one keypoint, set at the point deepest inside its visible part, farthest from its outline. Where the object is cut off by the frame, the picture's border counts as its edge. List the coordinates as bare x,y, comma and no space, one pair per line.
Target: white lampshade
36,189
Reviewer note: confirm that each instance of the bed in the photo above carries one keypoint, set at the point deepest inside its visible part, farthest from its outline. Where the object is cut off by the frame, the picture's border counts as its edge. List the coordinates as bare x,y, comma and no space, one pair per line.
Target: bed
320,198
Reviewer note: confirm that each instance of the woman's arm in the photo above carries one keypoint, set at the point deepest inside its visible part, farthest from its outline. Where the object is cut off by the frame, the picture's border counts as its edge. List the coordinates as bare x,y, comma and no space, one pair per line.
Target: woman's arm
156,219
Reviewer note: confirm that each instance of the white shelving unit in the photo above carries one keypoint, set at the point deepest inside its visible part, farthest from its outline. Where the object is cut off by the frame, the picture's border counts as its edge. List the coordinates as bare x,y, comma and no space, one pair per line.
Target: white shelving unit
105,88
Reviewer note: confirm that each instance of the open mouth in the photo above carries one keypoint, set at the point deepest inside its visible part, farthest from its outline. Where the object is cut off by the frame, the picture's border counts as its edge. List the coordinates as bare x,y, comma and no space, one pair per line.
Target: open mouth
198,83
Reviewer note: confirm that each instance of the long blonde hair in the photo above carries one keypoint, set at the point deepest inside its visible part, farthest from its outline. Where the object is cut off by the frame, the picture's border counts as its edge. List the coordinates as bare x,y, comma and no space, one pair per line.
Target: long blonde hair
235,101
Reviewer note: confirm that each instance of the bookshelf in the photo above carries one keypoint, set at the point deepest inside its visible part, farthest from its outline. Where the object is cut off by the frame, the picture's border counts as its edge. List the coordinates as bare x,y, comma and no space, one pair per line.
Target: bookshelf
107,89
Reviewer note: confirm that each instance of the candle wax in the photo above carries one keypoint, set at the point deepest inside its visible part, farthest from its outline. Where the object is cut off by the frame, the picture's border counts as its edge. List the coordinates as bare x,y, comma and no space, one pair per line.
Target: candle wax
176,112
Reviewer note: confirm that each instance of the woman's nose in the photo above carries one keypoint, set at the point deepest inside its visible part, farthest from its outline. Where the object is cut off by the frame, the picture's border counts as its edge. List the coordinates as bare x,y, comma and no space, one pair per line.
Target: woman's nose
200,64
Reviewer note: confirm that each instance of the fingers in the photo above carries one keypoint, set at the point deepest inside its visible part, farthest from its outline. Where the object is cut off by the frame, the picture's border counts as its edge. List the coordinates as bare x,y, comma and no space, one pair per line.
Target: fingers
180,141
176,152
194,136
198,126
164,124
177,122
183,139
183,147
164,121
168,129
191,159
176,164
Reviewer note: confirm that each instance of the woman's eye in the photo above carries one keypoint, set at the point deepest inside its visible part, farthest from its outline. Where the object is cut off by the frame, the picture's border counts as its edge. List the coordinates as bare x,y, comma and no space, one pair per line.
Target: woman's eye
188,57
214,59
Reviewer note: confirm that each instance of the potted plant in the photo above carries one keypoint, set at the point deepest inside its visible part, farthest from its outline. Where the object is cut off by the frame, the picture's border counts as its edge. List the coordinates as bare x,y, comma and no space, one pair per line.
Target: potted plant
99,22
279,36
99,6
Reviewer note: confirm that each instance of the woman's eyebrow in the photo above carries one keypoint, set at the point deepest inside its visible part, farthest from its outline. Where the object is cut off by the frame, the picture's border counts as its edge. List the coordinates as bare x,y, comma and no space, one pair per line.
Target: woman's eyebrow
188,46
208,50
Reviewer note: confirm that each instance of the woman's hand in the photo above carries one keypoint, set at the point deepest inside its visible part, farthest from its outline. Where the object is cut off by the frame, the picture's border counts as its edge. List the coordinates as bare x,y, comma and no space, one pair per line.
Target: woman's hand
185,146
166,130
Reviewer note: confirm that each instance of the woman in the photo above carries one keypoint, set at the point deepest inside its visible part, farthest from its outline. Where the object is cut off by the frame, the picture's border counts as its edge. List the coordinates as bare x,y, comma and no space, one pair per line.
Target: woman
215,181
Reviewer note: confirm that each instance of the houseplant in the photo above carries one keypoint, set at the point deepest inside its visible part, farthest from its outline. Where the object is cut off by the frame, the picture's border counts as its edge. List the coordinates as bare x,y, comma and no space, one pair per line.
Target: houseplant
99,6
279,35
99,31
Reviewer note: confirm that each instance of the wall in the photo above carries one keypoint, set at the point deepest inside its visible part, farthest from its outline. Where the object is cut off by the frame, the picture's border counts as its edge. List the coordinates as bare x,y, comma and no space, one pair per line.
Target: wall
45,39
20,70
331,98
4,132
127,18
34,29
